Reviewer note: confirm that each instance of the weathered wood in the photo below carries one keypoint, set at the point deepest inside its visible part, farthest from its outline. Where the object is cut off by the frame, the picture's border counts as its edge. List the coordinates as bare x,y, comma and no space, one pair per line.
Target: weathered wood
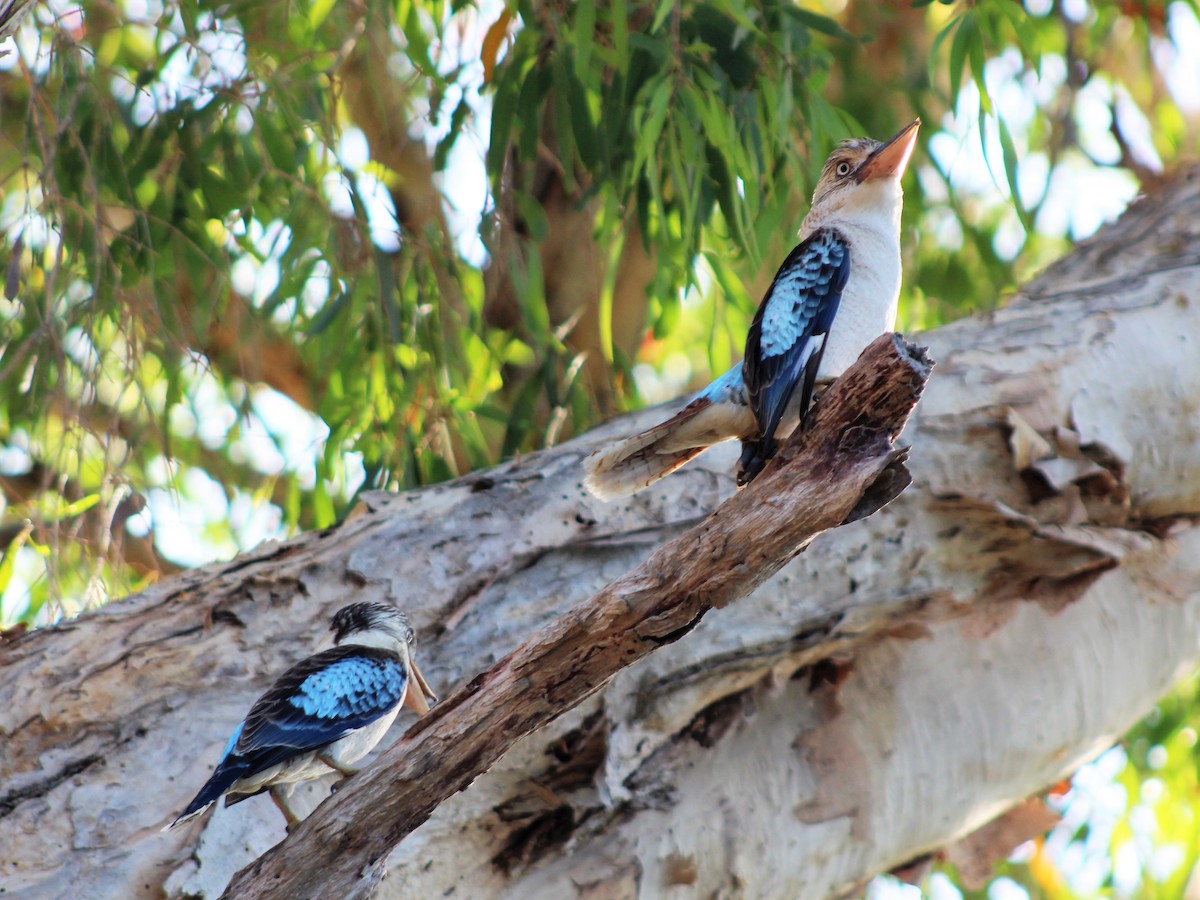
818,478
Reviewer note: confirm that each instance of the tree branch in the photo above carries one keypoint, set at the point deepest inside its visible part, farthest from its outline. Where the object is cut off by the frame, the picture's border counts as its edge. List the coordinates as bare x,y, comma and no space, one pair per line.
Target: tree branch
817,482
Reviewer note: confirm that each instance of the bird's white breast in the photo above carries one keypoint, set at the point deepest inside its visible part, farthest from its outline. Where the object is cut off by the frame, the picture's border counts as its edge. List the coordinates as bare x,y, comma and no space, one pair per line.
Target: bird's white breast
868,306
358,744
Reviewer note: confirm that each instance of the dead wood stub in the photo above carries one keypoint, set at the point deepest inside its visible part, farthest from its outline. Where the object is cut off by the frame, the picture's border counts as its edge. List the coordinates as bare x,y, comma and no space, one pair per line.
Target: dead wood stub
817,481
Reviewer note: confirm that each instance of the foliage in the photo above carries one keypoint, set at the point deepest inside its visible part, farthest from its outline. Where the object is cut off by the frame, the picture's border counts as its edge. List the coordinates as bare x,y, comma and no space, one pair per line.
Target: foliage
259,257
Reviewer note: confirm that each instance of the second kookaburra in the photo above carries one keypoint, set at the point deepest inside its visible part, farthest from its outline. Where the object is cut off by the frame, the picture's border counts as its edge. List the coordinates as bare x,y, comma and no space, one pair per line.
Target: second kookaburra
323,714
834,294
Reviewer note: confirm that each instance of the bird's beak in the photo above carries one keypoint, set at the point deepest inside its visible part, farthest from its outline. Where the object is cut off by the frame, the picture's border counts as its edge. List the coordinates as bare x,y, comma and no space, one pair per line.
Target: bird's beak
414,697
890,159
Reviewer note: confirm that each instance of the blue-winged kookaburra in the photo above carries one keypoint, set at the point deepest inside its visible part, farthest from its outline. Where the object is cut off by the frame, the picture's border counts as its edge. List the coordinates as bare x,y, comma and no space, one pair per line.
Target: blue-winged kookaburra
324,713
833,295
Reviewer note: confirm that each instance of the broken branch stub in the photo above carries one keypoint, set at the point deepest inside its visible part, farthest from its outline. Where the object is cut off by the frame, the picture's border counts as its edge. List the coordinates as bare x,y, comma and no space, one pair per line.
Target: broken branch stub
843,465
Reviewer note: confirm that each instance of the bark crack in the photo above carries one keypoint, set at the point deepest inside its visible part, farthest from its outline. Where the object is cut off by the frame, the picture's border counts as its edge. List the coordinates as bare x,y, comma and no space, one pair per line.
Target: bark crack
9,801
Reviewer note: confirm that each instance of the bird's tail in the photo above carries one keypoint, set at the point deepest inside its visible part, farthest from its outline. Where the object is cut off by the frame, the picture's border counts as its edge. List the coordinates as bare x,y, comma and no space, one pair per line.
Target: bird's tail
230,770
639,461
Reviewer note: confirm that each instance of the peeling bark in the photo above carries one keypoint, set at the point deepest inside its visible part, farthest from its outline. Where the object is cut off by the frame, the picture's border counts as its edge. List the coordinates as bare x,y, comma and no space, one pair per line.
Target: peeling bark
907,679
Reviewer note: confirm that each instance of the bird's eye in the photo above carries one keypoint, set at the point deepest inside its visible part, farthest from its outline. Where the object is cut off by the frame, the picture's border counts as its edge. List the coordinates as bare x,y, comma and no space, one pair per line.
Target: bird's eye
843,168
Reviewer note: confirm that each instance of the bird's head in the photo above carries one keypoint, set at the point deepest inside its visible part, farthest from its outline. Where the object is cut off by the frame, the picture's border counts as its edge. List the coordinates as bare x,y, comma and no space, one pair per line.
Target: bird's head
861,180
372,624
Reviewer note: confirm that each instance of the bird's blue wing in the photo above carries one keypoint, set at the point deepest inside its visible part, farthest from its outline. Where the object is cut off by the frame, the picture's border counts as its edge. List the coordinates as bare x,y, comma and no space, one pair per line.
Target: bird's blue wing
321,699
787,337
314,703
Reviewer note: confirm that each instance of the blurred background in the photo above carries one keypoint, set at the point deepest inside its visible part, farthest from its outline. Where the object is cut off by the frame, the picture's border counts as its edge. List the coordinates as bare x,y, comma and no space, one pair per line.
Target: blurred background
260,257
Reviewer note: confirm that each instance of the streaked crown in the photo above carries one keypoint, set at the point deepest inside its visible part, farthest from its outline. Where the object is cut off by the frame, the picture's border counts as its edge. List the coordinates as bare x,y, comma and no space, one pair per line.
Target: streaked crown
366,616
863,160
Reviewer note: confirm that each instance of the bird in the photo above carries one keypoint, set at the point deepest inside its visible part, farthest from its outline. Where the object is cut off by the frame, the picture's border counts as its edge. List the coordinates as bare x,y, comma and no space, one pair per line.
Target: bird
323,714
834,294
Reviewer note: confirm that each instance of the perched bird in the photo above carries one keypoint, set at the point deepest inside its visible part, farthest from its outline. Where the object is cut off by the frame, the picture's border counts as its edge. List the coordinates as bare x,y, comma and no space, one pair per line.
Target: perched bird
323,714
834,294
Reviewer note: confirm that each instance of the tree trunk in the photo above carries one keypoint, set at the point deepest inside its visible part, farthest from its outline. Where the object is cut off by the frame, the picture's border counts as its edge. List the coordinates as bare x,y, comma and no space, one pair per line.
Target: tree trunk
904,681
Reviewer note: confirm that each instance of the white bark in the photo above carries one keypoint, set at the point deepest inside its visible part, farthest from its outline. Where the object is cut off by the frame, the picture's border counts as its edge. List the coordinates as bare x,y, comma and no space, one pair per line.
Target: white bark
1006,619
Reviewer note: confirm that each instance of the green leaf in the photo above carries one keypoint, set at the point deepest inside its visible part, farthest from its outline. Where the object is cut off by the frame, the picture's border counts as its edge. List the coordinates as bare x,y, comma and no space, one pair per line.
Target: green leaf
934,57
665,8
966,35
620,35
446,144
323,511
648,123
818,22
584,36
975,55
532,215
279,143
328,313
408,16
1009,152
317,13
529,106
509,87
587,139
70,510
9,561
563,131
1023,28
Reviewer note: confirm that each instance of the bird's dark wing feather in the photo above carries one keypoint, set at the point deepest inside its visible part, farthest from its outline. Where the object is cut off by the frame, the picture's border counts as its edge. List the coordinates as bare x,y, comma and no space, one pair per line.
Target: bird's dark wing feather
789,331
319,700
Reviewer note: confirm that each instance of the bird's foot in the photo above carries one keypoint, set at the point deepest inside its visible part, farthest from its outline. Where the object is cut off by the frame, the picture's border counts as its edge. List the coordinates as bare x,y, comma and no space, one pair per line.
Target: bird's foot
280,795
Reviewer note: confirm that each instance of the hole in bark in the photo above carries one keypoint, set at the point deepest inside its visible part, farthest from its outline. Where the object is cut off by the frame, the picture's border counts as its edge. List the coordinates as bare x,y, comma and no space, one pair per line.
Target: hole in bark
650,785
529,844
1105,458
580,754
823,672
820,631
673,636
1037,485
1103,486
1161,527
717,719
1054,594
221,614
547,818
